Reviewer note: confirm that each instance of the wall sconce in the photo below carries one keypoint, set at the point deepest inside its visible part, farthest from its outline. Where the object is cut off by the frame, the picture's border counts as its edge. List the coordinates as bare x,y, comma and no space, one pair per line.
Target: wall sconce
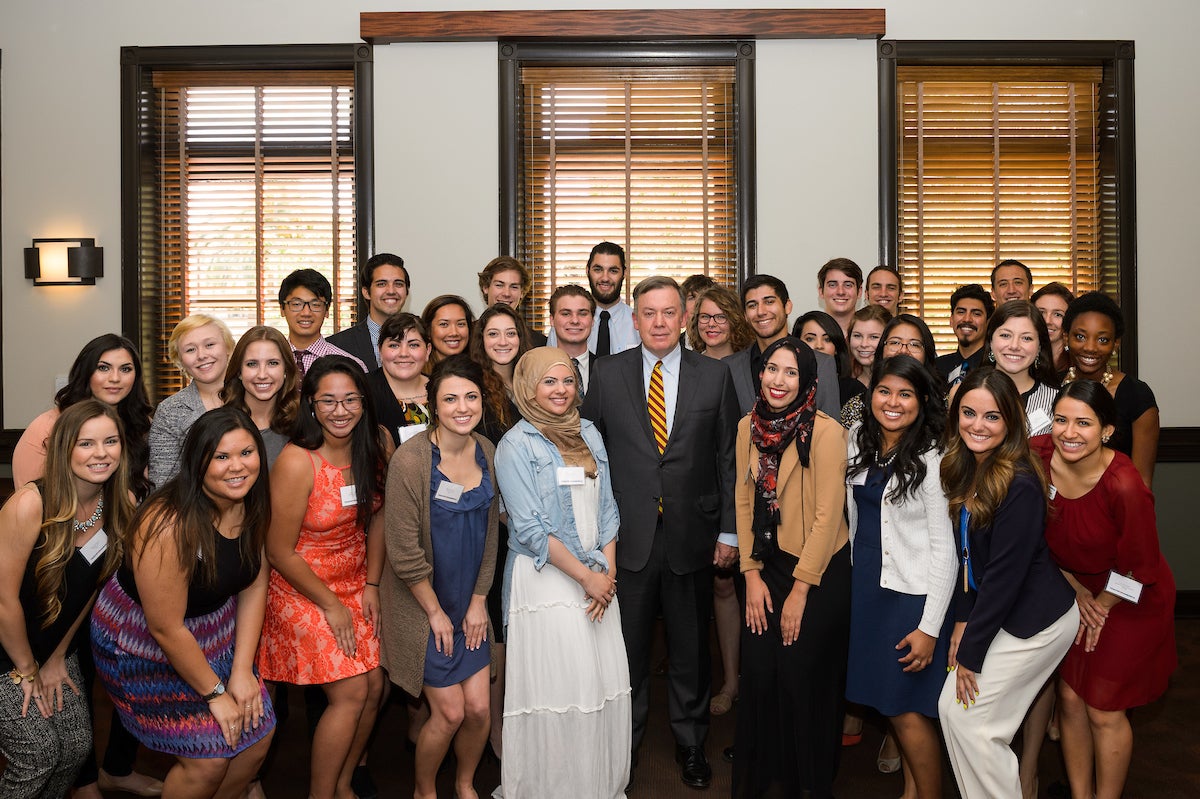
67,262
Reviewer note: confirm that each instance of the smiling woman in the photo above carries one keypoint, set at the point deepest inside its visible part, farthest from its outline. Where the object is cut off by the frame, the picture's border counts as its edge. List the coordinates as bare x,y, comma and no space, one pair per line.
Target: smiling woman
200,347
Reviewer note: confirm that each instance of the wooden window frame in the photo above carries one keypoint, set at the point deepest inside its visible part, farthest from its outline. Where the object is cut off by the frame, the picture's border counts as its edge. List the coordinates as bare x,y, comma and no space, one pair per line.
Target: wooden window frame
1116,57
137,249
740,54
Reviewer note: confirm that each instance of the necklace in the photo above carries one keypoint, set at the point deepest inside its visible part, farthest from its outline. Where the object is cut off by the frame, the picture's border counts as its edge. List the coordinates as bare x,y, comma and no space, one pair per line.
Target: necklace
83,527
1072,375
882,462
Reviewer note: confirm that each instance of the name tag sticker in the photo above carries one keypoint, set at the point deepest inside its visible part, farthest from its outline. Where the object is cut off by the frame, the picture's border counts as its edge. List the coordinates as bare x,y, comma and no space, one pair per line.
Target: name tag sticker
95,547
449,492
409,431
1038,420
1053,491
349,496
570,475
1126,588
955,374
858,479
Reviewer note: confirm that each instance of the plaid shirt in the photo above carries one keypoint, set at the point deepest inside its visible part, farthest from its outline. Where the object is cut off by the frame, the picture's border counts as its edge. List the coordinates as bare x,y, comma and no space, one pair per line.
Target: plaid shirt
319,348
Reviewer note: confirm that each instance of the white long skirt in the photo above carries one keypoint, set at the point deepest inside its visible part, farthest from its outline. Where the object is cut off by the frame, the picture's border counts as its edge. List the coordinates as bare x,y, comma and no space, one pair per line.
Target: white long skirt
567,722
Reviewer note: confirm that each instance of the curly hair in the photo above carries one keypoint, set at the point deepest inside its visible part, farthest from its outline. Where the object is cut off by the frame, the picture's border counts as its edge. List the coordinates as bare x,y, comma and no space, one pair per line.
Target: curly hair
740,334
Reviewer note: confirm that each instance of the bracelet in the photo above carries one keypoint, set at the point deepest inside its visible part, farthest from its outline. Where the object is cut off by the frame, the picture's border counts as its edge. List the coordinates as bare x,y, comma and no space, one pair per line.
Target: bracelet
373,585
16,676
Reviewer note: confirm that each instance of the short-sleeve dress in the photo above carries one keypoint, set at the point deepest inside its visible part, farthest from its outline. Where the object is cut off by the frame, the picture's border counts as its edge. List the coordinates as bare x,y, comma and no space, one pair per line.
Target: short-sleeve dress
459,532
297,642
1132,398
1112,528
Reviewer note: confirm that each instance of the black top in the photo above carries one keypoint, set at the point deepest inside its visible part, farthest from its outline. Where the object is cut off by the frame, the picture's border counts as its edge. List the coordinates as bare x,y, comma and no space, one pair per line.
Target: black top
81,579
947,363
388,410
1132,398
1019,587
232,577
850,387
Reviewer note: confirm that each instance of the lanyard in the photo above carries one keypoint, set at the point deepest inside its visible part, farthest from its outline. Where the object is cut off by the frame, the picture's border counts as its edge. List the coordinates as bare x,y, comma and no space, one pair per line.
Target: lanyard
964,519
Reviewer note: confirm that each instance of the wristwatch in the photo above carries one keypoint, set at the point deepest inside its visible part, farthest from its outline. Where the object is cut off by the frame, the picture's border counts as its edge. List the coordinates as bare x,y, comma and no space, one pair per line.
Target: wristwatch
217,690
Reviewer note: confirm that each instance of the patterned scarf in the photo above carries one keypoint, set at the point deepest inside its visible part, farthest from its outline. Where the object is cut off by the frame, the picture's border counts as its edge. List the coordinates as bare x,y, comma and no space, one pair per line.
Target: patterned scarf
772,433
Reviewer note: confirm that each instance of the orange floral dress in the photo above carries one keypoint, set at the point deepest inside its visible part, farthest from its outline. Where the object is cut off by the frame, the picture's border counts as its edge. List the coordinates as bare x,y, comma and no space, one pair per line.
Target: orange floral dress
297,643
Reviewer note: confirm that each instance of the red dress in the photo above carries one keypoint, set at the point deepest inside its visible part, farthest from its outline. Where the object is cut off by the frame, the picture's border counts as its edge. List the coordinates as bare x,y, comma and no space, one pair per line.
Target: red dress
1112,528
297,643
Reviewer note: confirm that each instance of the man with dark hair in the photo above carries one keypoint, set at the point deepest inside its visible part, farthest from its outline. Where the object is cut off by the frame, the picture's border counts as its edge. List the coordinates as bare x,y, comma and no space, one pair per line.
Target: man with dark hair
384,284
304,298
506,280
572,312
669,421
767,305
839,285
885,289
1011,280
614,331
970,307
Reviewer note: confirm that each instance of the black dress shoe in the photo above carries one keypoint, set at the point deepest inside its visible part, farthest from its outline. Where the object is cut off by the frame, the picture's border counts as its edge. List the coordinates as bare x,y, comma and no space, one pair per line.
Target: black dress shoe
362,784
696,773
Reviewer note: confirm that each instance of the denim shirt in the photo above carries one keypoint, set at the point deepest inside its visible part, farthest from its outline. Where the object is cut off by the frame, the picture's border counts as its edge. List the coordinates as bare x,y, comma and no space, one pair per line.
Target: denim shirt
538,507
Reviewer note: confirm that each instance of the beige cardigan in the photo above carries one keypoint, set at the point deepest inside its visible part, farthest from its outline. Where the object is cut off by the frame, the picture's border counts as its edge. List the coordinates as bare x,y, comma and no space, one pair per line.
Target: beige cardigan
812,500
405,630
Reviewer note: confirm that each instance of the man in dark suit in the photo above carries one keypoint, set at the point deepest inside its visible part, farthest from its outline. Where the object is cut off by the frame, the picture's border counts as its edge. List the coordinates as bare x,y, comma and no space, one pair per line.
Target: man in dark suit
506,280
767,306
384,284
669,419
572,314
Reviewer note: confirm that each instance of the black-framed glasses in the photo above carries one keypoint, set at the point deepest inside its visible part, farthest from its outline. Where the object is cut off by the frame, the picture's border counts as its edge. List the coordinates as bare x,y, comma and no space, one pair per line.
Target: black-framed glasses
901,344
296,306
709,318
350,403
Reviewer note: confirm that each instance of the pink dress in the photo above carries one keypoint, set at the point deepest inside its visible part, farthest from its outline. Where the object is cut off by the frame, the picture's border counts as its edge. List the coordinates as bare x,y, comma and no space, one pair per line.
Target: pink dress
297,643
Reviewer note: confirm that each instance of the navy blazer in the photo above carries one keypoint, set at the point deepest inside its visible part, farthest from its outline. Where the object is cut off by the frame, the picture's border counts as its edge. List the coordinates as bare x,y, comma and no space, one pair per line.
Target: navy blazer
695,473
1019,589
356,340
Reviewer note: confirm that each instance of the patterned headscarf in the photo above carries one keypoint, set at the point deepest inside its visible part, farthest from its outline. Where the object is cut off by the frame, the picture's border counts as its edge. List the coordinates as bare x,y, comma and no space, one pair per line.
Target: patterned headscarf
563,431
773,432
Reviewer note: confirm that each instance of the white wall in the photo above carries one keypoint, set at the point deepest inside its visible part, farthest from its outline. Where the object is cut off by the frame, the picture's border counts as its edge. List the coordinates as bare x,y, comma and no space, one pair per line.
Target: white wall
816,126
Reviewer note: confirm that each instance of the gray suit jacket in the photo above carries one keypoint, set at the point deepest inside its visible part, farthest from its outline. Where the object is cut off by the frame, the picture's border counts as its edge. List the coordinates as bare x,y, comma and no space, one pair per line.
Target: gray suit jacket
694,475
356,340
828,394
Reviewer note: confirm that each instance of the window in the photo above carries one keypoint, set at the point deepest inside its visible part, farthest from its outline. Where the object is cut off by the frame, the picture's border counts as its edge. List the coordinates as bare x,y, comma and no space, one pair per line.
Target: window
1006,150
243,173
611,144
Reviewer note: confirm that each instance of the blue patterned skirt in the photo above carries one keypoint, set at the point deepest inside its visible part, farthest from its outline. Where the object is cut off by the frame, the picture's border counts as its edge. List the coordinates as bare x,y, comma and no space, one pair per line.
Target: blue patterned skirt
154,702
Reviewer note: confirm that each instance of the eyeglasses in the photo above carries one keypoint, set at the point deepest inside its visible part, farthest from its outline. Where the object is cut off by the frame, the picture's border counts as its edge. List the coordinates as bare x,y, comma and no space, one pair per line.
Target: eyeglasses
351,403
901,344
711,318
316,306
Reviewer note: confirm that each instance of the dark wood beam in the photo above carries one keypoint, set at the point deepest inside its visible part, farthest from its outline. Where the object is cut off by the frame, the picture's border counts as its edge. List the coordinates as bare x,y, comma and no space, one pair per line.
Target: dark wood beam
708,23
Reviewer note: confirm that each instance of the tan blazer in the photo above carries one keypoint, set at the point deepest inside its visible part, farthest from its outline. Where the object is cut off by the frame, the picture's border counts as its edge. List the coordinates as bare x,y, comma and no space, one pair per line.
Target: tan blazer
405,632
812,500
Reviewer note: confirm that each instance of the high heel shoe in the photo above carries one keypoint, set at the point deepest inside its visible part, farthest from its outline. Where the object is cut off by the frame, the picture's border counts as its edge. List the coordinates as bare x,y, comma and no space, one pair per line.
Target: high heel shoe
886,765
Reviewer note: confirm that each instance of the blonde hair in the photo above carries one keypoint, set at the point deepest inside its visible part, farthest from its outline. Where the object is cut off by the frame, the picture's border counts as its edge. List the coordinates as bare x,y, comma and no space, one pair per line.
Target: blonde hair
60,503
195,322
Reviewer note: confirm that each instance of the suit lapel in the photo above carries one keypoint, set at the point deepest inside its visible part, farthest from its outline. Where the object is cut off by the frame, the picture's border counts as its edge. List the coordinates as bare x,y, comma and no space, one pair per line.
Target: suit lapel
637,394
683,399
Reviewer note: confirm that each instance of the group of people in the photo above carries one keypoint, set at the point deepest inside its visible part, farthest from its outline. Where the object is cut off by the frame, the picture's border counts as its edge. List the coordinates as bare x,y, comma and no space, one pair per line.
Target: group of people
494,520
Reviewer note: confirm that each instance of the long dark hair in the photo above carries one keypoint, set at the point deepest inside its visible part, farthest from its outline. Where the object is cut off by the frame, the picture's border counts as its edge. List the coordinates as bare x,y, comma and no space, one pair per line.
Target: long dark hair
1042,368
983,486
841,352
182,507
135,409
498,405
366,456
432,307
922,436
460,365
283,415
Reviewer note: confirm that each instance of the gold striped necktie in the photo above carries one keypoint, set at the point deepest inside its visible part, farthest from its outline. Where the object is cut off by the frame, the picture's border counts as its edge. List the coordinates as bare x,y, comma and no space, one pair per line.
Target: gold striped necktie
657,406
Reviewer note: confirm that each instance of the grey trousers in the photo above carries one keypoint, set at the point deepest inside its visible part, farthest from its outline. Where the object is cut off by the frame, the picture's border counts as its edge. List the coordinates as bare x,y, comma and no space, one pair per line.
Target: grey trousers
43,754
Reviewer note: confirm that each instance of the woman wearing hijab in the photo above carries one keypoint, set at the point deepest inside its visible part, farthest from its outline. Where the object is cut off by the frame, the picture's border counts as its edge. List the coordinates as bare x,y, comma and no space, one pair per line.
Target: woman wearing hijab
793,539
568,677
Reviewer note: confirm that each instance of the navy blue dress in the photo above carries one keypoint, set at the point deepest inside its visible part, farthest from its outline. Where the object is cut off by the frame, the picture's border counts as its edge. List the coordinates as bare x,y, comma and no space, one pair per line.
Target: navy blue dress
458,530
880,618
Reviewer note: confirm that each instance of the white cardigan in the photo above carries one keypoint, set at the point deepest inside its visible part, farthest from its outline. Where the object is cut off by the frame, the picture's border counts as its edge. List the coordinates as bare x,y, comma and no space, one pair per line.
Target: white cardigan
919,555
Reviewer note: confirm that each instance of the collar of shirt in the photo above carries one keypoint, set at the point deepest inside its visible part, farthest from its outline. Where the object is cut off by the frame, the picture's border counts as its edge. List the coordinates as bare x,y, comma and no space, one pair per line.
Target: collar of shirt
373,330
670,370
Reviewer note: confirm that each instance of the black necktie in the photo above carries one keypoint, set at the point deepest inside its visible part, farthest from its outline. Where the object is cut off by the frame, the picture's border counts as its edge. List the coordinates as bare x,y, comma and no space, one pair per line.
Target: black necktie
300,362
578,377
603,343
